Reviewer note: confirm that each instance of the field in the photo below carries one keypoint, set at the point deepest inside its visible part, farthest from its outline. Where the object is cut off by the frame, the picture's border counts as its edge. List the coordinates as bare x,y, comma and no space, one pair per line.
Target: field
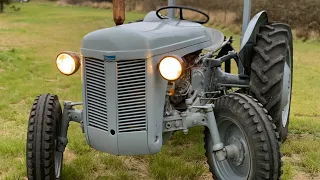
29,42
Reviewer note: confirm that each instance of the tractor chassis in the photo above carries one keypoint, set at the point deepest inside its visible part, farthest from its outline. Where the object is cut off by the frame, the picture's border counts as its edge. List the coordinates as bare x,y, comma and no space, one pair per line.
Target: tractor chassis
197,113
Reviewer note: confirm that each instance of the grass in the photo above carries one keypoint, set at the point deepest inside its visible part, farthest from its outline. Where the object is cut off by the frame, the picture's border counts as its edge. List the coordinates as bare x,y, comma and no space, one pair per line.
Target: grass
31,39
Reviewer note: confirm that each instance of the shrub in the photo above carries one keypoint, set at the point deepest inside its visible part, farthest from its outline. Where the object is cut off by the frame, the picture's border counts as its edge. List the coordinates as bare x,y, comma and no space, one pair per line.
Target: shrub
302,15
2,3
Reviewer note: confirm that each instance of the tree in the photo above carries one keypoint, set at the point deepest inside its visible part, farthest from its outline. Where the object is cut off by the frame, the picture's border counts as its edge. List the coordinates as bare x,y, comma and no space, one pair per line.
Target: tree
2,3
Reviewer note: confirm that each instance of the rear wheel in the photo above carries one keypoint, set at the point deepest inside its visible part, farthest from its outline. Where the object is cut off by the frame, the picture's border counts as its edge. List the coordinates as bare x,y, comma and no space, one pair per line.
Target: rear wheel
245,124
43,159
271,73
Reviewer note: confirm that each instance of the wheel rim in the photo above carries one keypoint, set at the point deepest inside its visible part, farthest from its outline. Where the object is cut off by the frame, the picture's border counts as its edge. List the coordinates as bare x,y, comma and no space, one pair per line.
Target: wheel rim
237,168
57,162
286,89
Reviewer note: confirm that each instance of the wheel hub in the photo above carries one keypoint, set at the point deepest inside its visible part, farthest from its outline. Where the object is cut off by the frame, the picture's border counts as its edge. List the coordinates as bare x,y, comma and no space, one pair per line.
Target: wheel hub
286,91
235,151
58,161
237,163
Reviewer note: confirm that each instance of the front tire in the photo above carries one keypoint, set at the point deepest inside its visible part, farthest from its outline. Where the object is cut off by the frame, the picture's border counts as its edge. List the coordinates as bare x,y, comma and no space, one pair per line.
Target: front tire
43,160
243,122
272,72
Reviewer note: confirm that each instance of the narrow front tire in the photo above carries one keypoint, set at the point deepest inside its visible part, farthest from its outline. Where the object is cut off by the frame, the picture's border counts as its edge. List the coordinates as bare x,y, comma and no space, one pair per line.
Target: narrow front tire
43,159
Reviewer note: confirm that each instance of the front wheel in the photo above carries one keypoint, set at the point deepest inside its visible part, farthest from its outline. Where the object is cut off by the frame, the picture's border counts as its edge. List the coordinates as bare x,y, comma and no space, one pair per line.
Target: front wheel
43,159
244,123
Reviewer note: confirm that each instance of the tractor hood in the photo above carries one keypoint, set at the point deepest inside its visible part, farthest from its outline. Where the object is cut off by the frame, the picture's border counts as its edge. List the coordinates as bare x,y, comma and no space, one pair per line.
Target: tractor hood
146,39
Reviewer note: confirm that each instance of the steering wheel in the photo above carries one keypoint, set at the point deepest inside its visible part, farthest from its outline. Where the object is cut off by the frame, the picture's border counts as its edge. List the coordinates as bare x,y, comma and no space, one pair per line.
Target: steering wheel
181,8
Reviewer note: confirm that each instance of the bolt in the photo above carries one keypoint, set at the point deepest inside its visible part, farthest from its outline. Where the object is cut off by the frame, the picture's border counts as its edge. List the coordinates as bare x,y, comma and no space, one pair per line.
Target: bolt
194,122
177,124
168,125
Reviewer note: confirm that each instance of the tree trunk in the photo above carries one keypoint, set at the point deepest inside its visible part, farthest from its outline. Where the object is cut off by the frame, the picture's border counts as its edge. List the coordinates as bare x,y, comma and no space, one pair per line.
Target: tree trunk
1,6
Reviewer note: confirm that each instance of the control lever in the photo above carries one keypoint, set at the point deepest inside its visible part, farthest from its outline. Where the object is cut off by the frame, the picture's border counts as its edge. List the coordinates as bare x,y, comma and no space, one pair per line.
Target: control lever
218,61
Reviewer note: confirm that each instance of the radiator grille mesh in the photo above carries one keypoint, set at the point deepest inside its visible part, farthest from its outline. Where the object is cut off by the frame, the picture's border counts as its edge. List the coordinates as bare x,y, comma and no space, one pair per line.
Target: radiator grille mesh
96,93
131,96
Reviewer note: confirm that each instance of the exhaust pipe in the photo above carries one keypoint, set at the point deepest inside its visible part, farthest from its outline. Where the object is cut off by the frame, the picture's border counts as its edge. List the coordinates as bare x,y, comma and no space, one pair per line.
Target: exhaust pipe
119,9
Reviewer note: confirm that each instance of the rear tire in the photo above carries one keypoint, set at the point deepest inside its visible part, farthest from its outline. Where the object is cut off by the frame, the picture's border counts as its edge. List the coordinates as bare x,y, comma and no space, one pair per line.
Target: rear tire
244,122
271,73
43,160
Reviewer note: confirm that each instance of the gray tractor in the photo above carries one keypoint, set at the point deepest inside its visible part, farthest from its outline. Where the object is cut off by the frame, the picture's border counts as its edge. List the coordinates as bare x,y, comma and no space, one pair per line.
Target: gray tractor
145,80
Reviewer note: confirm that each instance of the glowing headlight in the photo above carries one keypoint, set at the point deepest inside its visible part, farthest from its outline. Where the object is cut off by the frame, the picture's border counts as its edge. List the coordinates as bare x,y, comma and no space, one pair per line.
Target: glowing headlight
171,68
68,63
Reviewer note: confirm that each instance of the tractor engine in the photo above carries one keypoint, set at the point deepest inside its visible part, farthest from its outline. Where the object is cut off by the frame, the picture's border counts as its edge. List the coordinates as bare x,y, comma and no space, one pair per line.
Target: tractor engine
196,77
182,88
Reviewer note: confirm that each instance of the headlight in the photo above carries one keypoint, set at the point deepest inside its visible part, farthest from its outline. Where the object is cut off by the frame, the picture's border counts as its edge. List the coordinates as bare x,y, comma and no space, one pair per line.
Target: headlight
68,63
171,68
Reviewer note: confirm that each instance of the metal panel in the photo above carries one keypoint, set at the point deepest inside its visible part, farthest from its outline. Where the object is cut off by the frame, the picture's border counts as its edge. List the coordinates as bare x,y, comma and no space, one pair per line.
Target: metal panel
96,93
131,96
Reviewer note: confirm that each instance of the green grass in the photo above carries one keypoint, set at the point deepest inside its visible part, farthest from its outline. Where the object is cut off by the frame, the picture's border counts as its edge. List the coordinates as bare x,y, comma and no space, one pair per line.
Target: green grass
29,42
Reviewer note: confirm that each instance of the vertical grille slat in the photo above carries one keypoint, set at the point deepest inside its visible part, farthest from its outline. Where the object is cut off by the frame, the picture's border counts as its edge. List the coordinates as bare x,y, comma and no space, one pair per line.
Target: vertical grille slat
96,93
131,96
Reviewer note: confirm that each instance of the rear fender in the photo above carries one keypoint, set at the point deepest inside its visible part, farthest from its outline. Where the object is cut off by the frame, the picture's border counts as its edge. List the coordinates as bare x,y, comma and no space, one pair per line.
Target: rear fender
249,39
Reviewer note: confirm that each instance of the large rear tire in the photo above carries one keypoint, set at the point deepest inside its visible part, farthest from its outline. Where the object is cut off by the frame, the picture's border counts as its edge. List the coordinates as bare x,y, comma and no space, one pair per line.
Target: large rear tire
243,122
272,72
43,159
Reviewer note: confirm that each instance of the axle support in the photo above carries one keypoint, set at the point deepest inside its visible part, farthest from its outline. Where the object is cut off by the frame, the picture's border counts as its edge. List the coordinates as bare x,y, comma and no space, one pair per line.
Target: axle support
204,116
68,114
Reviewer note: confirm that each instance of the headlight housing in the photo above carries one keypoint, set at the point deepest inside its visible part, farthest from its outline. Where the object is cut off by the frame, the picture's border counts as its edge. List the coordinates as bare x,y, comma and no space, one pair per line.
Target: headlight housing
68,62
171,67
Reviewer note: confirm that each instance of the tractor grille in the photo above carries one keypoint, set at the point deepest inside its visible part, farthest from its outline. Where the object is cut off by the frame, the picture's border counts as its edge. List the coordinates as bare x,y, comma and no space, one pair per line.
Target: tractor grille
96,93
131,96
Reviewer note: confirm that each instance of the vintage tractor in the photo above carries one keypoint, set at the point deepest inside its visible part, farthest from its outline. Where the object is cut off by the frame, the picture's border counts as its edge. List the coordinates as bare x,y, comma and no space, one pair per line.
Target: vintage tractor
144,80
